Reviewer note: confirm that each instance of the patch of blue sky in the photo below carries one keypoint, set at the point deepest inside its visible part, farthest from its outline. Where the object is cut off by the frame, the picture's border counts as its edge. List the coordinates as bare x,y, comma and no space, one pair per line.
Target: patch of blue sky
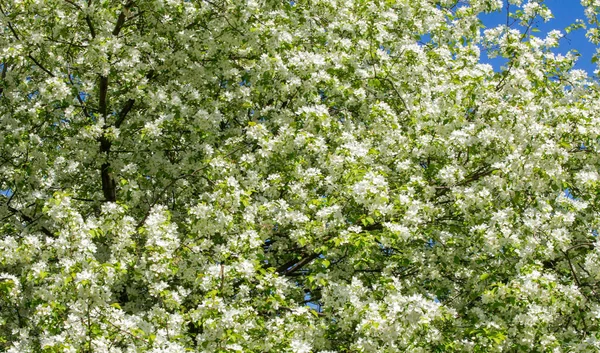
6,193
565,13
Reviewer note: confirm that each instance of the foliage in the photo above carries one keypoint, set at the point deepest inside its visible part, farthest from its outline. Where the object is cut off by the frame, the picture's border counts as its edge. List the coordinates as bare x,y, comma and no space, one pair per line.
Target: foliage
304,176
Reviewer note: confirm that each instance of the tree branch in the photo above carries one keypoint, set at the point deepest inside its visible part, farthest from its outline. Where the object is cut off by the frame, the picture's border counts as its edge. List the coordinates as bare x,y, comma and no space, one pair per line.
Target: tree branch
29,220
121,19
10,26
103,90
81,102
40,65
298,265
123,113
88,20
90,26
108,182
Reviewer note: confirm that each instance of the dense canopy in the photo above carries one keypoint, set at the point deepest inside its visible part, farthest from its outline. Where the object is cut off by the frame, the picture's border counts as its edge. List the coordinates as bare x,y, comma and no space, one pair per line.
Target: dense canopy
295,176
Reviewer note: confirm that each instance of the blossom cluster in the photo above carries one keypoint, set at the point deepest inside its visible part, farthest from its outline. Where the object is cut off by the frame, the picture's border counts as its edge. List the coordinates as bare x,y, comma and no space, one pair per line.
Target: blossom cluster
309,176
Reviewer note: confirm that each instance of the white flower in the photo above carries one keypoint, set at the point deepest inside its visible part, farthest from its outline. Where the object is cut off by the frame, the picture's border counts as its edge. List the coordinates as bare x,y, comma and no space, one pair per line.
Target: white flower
299,346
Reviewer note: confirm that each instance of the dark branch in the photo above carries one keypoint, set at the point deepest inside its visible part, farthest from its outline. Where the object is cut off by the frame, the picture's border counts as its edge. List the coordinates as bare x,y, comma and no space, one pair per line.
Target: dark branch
298,265
40,65
121,19
103,90
81,102
123,113
120,22
74,4
30,220
88,20
10,26
108,183
91,26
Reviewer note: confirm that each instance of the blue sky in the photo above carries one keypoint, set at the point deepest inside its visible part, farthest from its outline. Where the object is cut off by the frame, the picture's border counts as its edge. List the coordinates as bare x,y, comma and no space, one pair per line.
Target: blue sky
565,13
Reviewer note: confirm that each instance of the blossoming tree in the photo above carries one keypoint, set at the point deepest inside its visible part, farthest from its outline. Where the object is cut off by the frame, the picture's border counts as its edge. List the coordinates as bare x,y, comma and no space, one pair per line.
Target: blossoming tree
304,176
